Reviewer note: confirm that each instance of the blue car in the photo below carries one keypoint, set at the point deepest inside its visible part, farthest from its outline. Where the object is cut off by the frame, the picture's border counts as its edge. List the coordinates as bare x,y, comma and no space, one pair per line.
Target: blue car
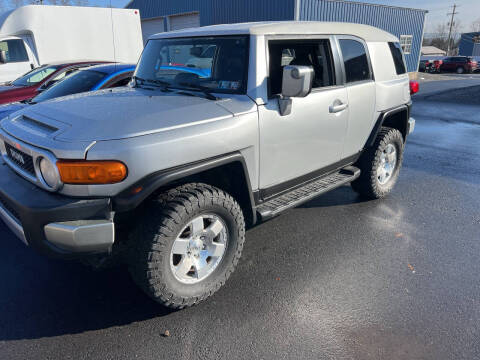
85,79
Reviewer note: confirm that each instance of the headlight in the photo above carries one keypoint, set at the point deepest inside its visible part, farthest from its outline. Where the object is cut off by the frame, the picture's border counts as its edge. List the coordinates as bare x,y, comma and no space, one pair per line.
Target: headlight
49,173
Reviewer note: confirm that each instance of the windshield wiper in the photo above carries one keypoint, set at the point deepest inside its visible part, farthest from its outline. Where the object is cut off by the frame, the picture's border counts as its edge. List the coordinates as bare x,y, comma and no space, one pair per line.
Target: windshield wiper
28,101
164,84
196,87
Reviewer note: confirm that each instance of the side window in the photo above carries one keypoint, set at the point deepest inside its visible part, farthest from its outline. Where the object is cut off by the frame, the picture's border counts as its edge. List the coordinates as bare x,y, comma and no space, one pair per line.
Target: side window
15,50
396,51
39,76
355,60
63,74
314,53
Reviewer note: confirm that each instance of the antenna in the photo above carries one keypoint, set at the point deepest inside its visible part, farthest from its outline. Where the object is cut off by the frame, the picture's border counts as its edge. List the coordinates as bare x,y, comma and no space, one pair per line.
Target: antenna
449,41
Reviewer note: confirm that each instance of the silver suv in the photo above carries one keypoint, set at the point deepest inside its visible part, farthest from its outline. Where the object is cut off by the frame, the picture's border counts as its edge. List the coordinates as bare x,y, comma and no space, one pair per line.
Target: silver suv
166,174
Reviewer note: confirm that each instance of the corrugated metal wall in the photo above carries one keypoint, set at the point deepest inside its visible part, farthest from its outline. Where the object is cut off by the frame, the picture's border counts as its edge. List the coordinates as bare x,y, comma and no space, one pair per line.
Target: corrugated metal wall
219,11
467,46
398,21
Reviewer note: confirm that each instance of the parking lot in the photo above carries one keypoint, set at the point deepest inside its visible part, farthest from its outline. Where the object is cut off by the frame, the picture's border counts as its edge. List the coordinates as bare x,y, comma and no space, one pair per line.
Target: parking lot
337,278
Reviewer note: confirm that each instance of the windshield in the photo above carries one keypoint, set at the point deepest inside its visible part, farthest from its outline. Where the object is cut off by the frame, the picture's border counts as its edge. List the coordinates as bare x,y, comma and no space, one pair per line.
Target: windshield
14,50
35,76
79,81
216,64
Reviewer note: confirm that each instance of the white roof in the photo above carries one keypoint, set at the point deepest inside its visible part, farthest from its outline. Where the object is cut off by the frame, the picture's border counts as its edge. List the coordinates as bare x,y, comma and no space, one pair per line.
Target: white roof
366,32
432,50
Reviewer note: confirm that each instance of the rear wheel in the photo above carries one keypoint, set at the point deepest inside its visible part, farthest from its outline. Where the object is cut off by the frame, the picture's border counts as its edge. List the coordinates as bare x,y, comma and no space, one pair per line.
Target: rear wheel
460,70
186,244
380,165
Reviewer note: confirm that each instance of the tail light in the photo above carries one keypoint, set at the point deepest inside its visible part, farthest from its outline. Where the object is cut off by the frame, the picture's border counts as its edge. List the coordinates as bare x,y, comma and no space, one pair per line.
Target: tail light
414,87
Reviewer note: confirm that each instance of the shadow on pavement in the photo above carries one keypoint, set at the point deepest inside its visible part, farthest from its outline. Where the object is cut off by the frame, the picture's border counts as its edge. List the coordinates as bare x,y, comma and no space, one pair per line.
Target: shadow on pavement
44,298
344,195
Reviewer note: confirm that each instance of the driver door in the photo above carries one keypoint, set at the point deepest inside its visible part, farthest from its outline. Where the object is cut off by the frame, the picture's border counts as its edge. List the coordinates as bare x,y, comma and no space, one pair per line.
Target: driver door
299,146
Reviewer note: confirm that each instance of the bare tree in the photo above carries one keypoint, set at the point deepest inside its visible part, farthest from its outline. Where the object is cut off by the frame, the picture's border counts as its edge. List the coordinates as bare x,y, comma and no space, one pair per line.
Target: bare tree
475,27
439,38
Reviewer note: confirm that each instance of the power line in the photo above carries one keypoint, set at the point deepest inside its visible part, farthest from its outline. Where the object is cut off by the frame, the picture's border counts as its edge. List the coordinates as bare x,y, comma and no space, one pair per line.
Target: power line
449,41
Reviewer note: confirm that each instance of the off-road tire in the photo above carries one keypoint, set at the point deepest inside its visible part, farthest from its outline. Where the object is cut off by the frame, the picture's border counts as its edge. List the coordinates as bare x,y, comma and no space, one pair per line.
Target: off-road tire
160,223
367,184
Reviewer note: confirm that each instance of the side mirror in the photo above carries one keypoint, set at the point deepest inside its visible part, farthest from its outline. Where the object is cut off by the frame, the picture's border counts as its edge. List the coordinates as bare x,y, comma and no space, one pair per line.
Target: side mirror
297,82
3,57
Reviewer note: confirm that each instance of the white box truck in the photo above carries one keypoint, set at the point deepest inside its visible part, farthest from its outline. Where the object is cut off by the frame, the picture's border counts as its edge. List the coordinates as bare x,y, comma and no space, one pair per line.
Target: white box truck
35,35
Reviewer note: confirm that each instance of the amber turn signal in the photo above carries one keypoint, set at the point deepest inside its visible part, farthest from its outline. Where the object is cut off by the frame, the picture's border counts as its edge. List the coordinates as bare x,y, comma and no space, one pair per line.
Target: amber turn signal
91,172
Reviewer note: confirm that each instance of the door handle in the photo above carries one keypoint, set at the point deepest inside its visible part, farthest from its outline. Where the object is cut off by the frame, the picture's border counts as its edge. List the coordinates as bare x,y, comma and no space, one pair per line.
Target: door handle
337,106
31,65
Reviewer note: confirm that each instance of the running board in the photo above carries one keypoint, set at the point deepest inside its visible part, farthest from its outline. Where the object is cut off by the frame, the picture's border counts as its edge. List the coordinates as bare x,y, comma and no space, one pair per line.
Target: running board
307,192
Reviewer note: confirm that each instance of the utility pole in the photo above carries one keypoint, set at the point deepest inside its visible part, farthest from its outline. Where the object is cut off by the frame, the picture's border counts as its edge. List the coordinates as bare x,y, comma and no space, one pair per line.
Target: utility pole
449,41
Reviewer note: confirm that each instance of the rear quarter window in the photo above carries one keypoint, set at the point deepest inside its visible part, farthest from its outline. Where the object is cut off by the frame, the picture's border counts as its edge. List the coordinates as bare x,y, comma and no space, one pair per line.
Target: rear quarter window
397,55
355,61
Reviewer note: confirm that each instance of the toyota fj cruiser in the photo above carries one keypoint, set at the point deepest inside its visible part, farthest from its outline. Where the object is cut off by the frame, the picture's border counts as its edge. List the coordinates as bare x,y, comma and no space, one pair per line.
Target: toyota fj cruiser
166,174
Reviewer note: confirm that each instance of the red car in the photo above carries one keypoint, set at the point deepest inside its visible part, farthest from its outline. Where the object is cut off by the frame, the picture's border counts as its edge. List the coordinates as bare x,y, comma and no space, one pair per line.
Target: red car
33,82
459,64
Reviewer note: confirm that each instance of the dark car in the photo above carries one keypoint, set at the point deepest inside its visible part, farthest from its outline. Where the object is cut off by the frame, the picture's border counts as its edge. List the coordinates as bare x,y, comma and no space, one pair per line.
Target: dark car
459,64
425,65
30,84
86,79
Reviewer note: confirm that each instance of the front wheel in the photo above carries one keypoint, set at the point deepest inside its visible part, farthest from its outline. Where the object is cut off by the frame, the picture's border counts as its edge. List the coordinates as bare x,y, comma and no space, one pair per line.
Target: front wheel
186,244
380,165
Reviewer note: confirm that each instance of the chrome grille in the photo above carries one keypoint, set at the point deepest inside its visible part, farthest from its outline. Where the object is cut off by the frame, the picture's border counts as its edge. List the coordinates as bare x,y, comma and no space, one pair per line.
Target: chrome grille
19,158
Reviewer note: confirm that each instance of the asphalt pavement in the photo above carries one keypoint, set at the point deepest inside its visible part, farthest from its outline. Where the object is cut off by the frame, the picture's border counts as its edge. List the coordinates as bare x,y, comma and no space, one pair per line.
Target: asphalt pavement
337,278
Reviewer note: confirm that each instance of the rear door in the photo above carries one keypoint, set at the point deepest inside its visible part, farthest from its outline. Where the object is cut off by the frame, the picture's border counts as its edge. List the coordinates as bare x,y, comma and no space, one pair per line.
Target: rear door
358,79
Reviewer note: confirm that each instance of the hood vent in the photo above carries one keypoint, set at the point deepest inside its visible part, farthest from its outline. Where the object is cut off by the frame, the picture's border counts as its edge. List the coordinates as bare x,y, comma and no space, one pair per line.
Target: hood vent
30,124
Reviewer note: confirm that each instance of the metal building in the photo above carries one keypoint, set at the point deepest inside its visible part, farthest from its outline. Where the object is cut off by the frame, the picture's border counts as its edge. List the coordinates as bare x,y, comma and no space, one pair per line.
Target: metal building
166,15
469,44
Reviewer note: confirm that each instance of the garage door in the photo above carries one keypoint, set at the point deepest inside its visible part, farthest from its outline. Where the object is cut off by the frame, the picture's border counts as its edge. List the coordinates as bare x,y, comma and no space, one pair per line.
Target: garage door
178,22
150,27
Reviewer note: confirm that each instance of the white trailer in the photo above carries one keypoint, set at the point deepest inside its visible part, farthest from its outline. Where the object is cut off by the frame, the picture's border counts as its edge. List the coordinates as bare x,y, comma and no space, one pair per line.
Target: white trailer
35,35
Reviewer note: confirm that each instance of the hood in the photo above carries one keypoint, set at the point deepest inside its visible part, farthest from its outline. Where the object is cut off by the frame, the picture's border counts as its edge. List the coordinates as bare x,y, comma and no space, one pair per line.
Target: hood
129,112
10,93
8,109
10,88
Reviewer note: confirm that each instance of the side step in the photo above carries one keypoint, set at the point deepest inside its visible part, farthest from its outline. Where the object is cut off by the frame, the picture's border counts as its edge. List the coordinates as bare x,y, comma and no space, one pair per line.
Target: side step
307,192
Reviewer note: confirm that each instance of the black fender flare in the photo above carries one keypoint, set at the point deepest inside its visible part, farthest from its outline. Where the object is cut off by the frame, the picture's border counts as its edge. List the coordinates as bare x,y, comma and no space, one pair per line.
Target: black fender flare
131,197
381,118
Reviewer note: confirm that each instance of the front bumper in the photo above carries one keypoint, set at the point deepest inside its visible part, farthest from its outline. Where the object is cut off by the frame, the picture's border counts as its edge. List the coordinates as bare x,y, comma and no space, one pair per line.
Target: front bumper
54,225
